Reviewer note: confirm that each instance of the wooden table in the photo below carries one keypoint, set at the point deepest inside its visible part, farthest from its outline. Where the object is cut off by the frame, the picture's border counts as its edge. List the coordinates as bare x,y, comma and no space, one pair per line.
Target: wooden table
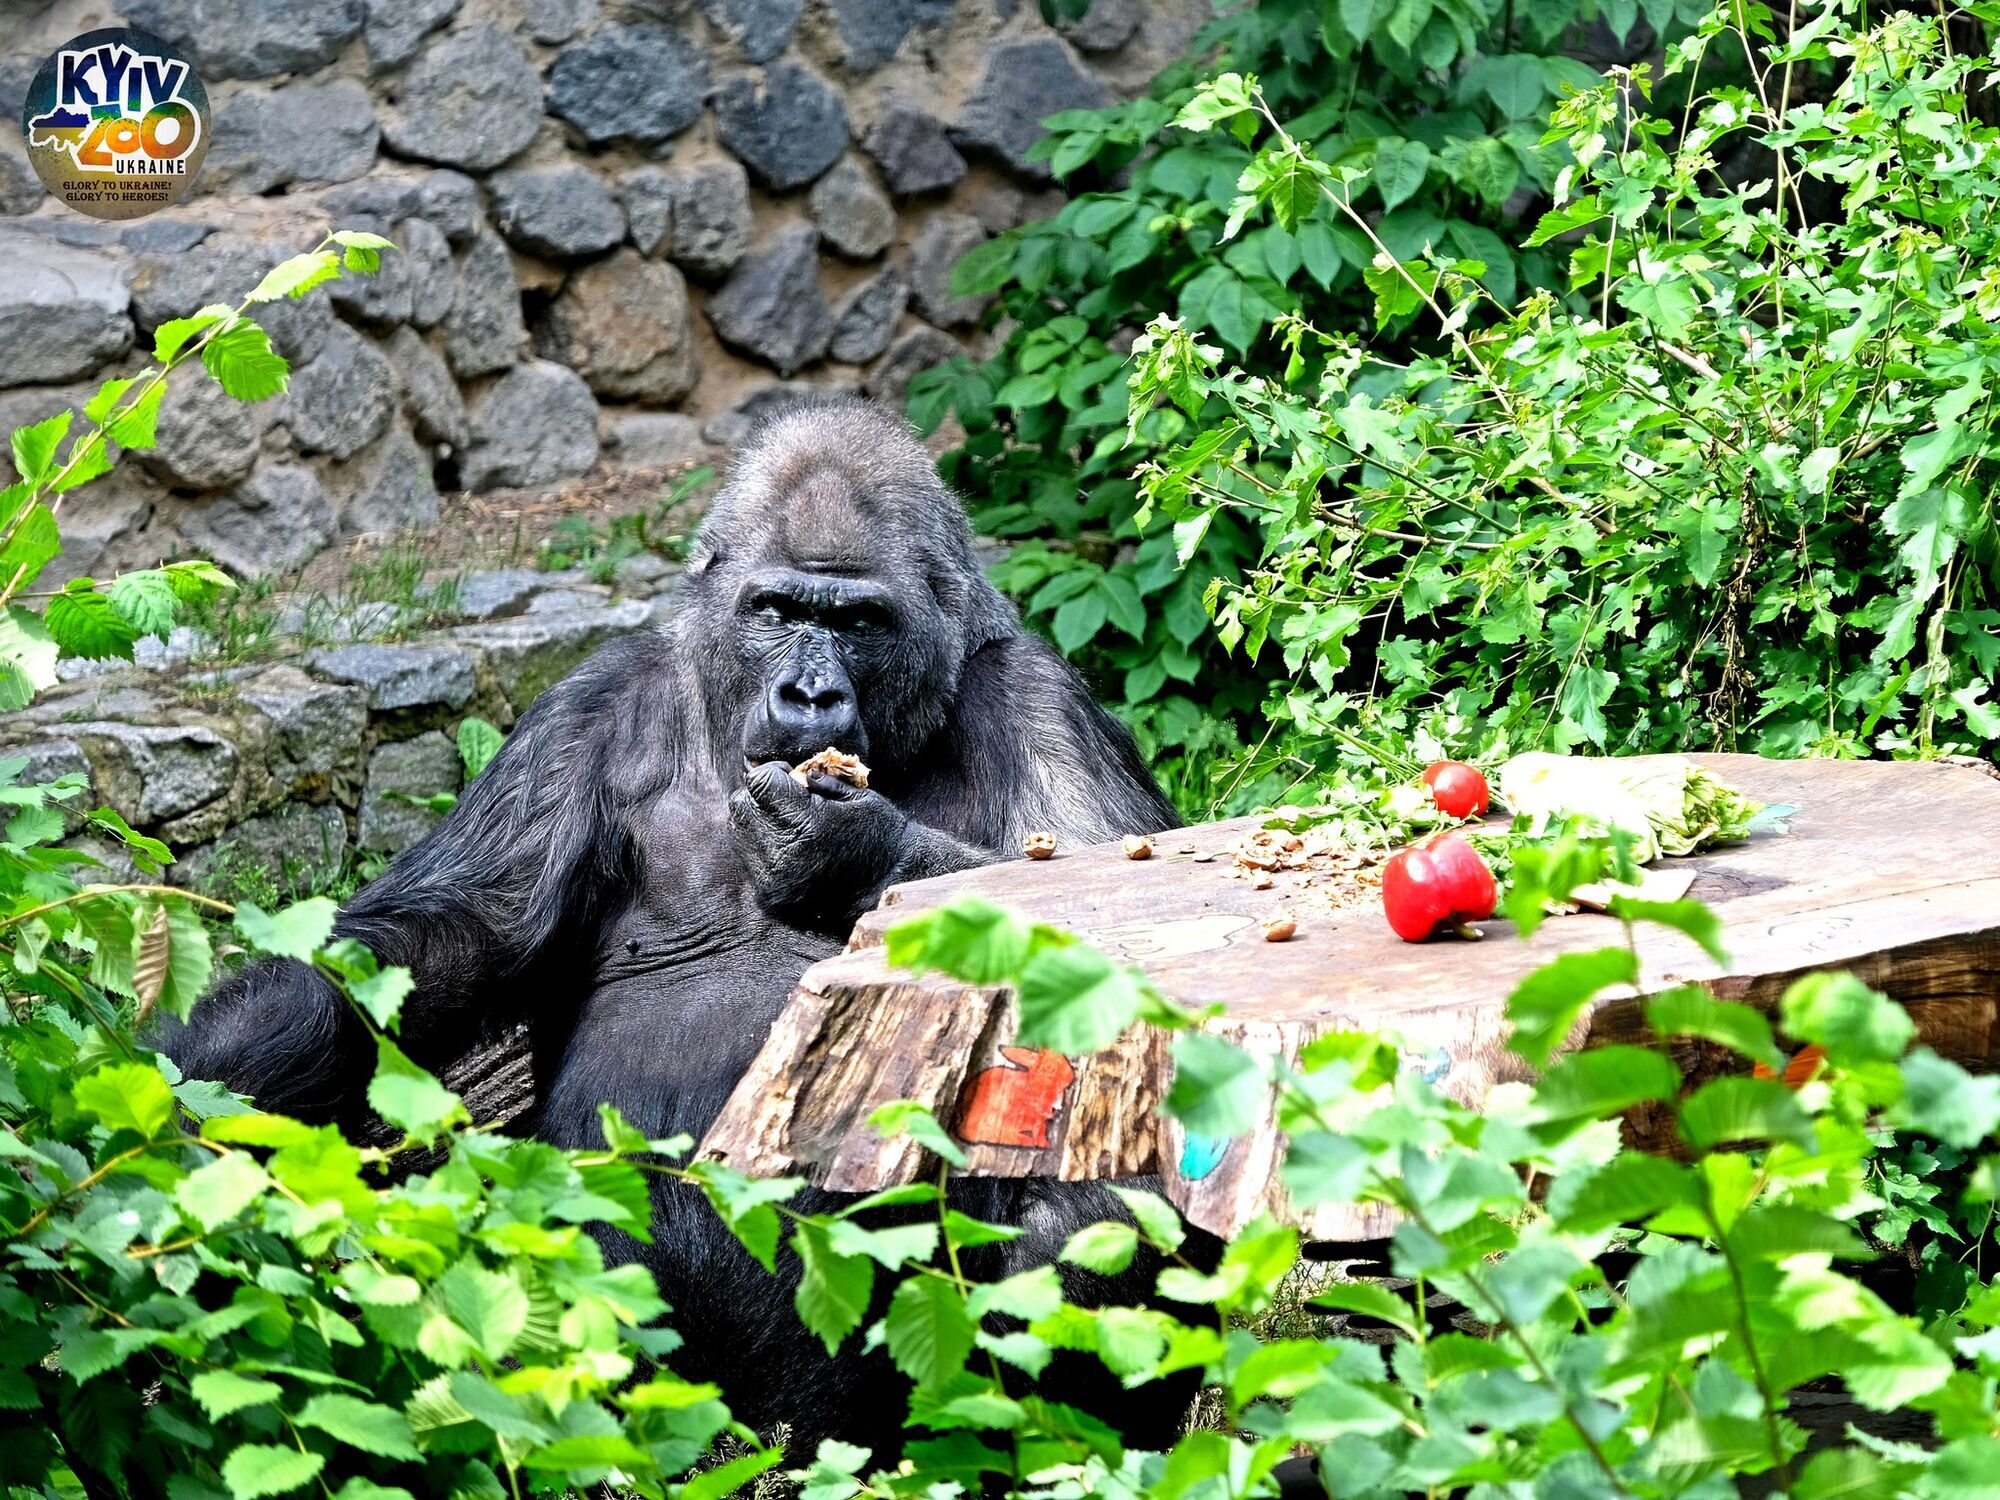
1891,871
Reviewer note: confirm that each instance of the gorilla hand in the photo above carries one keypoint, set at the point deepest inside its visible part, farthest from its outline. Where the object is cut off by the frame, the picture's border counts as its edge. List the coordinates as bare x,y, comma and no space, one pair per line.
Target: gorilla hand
818,854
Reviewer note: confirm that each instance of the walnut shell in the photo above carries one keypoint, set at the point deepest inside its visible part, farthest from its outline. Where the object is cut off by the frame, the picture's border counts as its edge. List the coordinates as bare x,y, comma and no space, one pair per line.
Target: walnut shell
1039,846
1280,929
1138,846
835,763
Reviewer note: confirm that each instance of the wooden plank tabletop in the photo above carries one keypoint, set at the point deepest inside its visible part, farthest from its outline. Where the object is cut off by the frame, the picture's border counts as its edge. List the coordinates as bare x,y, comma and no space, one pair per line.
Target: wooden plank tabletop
1891,870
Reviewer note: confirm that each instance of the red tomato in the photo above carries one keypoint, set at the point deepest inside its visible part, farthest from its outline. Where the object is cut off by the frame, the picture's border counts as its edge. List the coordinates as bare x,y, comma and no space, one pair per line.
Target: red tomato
1458,789
1441,882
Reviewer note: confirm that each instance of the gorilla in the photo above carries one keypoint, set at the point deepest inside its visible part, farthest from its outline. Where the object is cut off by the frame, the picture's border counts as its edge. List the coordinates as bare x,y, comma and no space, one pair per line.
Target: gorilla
640,879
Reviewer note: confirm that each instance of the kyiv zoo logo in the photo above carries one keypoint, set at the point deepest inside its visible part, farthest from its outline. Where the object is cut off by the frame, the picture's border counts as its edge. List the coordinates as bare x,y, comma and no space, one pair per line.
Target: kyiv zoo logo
117,123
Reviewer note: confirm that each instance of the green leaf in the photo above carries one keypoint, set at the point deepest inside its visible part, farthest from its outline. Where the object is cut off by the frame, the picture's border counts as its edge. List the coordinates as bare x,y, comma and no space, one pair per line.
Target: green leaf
727,1478
243,362
1628,1189
1485,167
85,625
1369,1300
168,340
295,277
35,447
218,1192
478,743
127,1096
408,1097
145,601
372,1428
1218,1088
1105,1247
1602,1082
1398,169
1159,1221
1855,1024
136,426
1727,1110
907,1117
1691,918
258,1469
223,1392
1075,1000
34,542
1946,1103
833,1290
1546,1005
928,1330
27,658
1692,1011
299,931
489,1305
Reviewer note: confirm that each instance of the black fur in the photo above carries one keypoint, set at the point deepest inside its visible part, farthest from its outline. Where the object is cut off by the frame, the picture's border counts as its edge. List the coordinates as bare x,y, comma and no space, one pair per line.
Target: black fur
620,878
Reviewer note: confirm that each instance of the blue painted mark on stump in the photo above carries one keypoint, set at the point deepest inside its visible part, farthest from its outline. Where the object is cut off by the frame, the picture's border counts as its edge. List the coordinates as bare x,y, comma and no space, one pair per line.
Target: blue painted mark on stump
1200,1155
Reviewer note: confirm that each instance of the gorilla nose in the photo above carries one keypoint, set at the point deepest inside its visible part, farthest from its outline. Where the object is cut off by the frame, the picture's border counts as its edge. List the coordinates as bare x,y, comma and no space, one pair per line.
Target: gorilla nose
813,713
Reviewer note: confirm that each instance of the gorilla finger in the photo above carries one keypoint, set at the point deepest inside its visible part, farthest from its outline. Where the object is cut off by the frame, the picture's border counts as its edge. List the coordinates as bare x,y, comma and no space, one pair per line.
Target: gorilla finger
832,788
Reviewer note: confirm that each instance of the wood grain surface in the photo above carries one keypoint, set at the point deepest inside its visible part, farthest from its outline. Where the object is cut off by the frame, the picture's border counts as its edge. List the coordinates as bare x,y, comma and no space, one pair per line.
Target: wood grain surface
1891,870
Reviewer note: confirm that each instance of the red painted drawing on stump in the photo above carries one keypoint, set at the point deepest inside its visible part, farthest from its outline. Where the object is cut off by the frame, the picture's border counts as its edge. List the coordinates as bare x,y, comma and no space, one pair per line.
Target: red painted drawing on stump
1012,1105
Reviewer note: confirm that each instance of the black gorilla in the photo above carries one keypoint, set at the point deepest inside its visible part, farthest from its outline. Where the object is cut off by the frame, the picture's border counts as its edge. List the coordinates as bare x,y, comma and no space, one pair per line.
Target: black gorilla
639,878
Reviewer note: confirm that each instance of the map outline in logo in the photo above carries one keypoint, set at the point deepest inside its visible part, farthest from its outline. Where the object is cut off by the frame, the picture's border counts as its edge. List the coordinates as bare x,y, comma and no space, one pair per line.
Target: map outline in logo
117,123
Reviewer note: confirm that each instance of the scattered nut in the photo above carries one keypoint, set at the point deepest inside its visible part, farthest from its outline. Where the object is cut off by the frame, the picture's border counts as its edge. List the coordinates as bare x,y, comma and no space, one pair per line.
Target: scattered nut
1204,859
1261,883
1187,848
1280,929
1138,846
835,763
1039,846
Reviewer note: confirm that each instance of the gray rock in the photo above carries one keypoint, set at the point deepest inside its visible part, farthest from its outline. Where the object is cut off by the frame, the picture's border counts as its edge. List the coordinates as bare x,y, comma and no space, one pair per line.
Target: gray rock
500,592
625,325
568,601
732,428
1105,27
222,268
854,215
644,572
865,319
916,351
395,29
430,395
787,129
251,38
471,100
759,28
21,191
913,152
772,309
400,676
111,524
484,330
206,440
415,284
712,222
381,200
1021,84
450,200
872,31
300,848
171,235
559,212
303,132
17,76
420,767
151,772
315,726
556,20
536,425
656,440
387,489
528,655
939,245
343,399
63,313
272,522
640,83
647,196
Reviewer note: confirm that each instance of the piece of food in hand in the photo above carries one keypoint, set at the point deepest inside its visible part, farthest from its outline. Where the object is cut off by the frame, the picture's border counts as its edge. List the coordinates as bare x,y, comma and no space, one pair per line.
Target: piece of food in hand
1280,929
1439,883
834,763
1039,846
1459,790
1666,804
1138,846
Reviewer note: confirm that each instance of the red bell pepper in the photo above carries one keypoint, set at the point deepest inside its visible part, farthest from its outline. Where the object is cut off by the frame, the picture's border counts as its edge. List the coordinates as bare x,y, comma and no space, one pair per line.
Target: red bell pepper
1458,789
1441,882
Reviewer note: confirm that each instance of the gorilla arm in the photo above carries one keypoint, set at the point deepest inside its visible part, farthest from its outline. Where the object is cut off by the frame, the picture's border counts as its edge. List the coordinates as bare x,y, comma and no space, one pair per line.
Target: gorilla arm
470,910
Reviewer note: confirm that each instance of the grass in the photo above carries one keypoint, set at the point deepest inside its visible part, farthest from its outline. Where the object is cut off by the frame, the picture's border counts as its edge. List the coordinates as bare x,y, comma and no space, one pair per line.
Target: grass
577,542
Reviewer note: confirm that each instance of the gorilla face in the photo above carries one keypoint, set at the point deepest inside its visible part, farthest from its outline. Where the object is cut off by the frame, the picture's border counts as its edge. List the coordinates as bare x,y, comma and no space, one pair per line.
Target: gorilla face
834,598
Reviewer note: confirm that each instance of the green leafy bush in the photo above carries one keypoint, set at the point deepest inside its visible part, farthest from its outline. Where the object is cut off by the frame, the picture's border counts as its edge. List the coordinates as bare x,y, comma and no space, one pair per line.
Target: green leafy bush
1740,500
1438,108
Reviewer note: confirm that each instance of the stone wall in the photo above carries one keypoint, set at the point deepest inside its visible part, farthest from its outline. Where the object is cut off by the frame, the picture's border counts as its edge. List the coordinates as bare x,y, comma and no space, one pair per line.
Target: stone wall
623,226
286,764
